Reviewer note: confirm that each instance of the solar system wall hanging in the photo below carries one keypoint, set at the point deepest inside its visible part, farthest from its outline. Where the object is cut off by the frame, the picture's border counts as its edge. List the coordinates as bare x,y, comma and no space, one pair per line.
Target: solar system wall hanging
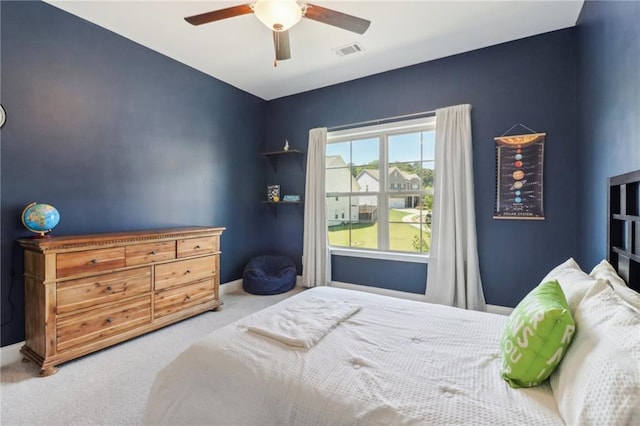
519,176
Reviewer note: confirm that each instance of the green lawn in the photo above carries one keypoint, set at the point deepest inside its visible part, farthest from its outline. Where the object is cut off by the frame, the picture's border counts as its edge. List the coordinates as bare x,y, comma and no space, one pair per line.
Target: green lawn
403,236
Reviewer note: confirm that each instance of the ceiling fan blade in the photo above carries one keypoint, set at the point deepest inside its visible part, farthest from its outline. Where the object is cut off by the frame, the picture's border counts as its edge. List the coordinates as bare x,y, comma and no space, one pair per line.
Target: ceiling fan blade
217,15
281,45
337,19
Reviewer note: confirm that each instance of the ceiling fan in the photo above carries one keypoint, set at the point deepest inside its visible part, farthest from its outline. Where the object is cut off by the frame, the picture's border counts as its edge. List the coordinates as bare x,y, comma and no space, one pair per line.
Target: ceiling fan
280,15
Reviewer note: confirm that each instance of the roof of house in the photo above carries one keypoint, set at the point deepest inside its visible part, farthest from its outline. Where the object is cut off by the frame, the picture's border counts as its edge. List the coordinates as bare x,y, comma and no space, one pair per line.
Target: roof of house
335,161
406,175
374,173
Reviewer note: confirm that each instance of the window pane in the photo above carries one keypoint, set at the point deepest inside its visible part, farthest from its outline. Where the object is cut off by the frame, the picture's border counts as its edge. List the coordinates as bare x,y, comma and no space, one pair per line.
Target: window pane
340,180
409,237
409,227
425,204
426,175
428,145
364,233
365,152
403,148
338,154
351,224
339,215
404,177
367,179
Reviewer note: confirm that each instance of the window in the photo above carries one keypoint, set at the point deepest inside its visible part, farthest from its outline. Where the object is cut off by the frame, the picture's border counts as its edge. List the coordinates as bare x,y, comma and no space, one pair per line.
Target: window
382,178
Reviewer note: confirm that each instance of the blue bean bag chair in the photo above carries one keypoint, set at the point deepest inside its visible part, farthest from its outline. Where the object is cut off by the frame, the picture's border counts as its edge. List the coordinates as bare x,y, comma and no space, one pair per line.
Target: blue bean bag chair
269,275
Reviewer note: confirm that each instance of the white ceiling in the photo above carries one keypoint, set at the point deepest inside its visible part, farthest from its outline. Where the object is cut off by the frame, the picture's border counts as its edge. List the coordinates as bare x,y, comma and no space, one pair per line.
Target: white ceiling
239,50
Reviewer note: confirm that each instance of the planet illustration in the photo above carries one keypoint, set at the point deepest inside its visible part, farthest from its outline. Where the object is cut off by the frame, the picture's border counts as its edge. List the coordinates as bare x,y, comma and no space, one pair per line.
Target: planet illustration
518,164
517,200
518,175
518,157
518,184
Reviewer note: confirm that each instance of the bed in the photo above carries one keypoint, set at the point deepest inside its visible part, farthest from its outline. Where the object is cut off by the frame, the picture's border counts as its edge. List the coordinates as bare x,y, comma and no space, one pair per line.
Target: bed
388,361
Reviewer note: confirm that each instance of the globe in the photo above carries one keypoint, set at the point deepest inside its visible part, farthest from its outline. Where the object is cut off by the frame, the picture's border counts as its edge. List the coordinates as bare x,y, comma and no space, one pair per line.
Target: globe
40,218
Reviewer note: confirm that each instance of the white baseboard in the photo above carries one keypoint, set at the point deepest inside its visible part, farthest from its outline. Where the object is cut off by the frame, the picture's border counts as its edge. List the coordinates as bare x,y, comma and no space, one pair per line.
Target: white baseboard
231,286
10,354
500,310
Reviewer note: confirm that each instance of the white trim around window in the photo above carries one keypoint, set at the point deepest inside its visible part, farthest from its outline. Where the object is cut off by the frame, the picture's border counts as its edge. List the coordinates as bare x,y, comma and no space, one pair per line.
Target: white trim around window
383,130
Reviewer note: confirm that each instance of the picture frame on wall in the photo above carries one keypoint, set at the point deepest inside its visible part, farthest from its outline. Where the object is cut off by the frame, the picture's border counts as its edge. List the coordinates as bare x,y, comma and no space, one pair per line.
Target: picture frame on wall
273,193
520,177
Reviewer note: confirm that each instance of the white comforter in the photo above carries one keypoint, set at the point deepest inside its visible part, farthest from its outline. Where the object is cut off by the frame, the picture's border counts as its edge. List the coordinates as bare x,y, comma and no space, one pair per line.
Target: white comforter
393,362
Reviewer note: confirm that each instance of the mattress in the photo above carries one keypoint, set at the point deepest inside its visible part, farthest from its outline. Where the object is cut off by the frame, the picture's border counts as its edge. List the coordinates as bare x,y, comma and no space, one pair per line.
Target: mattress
393,362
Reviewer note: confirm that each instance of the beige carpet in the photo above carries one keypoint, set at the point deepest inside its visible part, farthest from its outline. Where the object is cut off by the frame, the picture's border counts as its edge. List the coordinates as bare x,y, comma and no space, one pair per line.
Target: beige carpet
110,387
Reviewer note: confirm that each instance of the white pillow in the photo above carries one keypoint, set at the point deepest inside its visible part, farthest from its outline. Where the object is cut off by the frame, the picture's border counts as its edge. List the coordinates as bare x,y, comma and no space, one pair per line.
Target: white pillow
629,296
574,281
605,271
598,380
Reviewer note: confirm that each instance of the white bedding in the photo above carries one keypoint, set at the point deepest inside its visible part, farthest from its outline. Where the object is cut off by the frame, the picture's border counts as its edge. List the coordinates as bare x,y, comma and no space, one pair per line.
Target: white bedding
303,323
393,362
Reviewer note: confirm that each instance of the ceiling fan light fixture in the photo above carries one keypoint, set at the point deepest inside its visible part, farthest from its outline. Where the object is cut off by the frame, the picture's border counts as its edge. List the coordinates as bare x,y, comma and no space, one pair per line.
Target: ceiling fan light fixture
278,15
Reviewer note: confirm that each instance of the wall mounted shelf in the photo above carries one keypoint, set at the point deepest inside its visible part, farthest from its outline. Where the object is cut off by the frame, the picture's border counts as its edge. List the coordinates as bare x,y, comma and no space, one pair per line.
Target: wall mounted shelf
274,155
273,205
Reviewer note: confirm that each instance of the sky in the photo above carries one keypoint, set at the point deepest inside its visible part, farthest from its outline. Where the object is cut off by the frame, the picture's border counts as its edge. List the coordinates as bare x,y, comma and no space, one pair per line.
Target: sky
402,147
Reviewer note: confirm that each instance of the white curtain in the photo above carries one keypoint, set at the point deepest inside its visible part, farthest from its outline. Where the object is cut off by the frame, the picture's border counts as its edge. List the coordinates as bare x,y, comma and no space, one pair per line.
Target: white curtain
453,276
316,263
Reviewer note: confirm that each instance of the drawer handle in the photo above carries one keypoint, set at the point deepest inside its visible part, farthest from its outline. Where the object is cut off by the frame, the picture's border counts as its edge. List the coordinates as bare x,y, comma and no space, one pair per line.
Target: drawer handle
109,288
187,297
94,261
188,271
109,320
152,252
197,247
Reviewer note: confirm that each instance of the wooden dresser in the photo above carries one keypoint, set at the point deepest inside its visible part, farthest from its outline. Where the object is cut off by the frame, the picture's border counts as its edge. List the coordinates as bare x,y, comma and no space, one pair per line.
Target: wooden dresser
84,293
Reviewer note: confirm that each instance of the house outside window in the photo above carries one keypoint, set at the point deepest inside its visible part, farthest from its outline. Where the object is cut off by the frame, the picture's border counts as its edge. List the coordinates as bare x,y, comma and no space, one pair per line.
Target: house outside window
382,176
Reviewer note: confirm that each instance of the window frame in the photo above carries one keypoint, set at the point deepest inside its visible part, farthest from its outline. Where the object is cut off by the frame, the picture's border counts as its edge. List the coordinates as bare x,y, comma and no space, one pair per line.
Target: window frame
383,131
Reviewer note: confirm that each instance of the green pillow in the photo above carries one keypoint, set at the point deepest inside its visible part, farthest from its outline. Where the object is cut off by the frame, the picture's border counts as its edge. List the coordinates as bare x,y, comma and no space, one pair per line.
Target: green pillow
536,337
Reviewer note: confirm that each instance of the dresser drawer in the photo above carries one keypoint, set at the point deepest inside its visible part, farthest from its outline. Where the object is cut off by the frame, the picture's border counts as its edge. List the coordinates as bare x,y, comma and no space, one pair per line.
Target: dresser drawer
96,324
196,246
142,254
176,299
89,261
184,271
86,292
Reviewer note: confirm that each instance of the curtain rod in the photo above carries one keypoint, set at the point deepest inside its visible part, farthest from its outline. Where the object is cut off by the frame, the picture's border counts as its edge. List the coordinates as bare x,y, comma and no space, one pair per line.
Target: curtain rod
381,120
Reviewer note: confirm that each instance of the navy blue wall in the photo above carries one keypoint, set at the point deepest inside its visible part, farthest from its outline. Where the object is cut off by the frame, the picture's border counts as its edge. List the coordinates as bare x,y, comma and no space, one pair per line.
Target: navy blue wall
119,137
609,111
530,81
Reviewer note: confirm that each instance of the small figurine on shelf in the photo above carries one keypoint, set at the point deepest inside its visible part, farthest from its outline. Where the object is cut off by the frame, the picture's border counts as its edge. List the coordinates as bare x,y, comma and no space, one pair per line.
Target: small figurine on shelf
286,145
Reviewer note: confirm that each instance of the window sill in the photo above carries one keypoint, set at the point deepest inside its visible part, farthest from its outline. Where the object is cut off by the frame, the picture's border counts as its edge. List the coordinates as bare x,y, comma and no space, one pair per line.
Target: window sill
383,255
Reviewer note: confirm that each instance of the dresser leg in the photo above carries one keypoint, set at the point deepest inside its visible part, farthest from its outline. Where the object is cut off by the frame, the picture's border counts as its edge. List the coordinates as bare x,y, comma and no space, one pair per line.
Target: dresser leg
48,371
219,307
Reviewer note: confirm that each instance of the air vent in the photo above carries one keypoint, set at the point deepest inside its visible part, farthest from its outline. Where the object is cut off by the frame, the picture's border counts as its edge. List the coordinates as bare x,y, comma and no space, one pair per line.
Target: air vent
349,49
